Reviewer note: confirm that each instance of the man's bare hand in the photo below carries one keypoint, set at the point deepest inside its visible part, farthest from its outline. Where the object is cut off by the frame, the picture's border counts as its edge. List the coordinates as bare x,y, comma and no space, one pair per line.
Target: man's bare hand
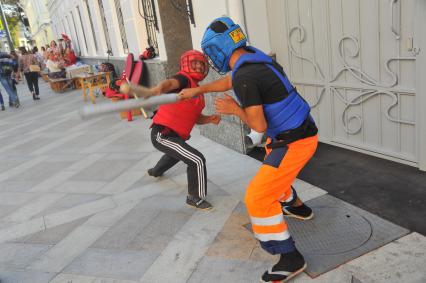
156,90
214,119
188,93
226,105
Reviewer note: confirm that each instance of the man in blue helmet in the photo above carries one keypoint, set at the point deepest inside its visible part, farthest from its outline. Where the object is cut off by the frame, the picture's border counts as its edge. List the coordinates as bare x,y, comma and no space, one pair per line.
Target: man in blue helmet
269,103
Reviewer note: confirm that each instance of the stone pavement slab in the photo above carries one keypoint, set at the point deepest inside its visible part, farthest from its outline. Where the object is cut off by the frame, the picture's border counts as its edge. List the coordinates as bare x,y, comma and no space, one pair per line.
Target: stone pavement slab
16,186
187,248
53,235
403,260
69,278
212,270
62,254
121,235
111,263
103,170
163,227
40,171
25,276
79,187
19,256
31,209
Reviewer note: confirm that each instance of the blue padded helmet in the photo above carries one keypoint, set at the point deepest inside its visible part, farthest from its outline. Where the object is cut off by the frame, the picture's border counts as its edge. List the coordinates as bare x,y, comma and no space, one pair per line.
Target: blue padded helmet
220,39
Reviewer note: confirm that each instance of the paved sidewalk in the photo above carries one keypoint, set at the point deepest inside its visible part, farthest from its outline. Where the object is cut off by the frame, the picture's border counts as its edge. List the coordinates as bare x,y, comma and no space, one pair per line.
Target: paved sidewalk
77,206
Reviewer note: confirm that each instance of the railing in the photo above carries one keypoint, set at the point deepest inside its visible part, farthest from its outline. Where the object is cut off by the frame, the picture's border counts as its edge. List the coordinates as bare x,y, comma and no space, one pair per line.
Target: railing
151,22
121,26
105,28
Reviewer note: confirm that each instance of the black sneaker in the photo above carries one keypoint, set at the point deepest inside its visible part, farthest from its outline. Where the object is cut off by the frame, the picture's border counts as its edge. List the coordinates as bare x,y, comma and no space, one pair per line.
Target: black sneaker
3,108
151,173
199,203
287,267
302,212
14,104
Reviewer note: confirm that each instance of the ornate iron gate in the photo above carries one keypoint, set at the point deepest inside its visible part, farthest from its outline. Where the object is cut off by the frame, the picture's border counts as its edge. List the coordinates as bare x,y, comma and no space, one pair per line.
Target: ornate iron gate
354,62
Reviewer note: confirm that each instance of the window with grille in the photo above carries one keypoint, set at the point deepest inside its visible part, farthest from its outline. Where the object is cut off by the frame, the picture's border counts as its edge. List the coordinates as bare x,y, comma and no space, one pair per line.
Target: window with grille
82,28
77,46
76,32
105,27
151,23
63,28
121,26
91,25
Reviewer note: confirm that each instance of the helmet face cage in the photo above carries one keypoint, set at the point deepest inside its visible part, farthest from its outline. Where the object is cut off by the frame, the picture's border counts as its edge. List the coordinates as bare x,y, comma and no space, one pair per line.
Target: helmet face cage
195,64
217,59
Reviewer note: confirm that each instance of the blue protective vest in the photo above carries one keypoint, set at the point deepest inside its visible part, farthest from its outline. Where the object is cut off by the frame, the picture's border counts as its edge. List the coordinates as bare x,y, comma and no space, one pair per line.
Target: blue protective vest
283,115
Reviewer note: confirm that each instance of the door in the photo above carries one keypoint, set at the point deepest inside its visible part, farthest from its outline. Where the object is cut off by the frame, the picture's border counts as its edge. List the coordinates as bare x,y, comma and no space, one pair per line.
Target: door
354,61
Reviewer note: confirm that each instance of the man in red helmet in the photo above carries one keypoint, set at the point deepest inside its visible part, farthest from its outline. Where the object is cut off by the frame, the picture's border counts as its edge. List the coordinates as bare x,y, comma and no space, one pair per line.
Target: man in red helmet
172,125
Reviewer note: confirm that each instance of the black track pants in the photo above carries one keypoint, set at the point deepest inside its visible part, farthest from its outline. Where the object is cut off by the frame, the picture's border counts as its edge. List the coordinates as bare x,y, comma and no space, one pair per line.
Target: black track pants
175,149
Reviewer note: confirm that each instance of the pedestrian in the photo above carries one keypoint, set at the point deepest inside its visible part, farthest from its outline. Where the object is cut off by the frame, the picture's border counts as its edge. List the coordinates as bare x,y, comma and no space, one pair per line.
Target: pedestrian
2,102
16,75
39,56
7,67
269,103
30,65
173,123
43,51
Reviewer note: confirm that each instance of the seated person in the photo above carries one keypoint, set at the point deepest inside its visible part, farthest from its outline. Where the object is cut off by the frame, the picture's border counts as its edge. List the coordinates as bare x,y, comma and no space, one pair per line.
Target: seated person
55,67
69,57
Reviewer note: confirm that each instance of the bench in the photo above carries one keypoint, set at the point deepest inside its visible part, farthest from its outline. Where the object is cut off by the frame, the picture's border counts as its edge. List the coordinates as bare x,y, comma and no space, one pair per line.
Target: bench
61,84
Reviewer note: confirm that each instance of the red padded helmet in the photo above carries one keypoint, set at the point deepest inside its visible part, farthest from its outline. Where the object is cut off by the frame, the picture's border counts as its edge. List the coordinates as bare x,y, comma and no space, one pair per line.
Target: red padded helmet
195,64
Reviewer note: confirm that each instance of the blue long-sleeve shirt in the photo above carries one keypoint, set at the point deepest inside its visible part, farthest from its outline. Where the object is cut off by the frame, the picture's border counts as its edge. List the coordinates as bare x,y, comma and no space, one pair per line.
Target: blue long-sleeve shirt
7,64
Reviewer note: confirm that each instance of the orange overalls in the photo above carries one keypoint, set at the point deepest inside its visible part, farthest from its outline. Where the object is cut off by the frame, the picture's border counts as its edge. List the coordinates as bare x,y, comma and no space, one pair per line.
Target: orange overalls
272,184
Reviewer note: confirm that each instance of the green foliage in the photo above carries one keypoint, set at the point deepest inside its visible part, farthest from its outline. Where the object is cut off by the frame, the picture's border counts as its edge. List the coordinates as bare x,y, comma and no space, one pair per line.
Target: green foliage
13,23
12,2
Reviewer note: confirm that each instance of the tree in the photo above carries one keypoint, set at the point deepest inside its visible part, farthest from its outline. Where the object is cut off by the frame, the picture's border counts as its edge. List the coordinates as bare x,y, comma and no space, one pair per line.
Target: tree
13,24
11,2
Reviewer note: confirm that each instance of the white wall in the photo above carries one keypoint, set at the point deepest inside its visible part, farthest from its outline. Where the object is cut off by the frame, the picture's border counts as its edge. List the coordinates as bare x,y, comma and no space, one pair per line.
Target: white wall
256,19
254,22
204,13
134,26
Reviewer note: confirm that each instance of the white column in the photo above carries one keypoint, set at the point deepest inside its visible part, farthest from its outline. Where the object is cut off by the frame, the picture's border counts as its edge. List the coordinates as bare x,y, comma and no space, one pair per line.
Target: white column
420,42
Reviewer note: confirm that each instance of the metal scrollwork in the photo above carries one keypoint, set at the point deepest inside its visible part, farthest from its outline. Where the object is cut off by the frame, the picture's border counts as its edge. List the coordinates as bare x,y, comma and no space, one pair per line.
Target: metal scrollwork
345,52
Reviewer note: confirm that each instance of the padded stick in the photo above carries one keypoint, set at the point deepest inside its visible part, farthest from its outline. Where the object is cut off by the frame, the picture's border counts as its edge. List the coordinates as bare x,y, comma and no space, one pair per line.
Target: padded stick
126,90
139,90
89,111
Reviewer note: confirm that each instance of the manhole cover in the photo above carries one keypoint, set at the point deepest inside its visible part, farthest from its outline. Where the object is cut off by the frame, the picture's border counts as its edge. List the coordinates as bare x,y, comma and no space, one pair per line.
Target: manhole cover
333,230
338,233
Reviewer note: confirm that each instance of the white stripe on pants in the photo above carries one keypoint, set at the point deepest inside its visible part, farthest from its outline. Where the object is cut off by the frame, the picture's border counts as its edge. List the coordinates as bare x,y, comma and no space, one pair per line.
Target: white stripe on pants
176,147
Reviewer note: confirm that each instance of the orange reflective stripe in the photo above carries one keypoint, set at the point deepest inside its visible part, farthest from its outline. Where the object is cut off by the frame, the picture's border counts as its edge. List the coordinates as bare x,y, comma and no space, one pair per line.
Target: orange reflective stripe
278,228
